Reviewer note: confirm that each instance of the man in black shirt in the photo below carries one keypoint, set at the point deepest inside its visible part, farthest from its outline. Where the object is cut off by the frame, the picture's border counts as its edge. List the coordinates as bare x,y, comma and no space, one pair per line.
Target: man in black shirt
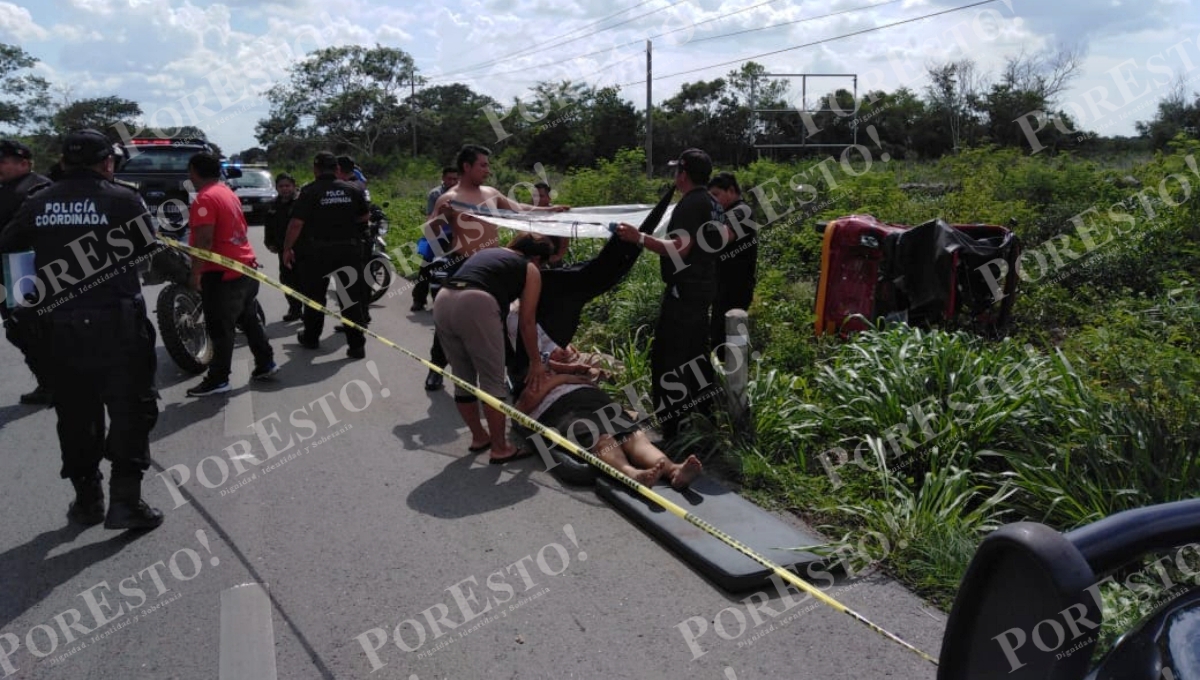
737,263
274,232
325,233
679,356
94,337
18,182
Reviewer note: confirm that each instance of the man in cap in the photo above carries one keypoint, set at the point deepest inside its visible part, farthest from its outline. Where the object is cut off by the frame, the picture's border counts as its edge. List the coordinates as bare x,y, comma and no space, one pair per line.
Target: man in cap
325,233
94,337
679,361
18,182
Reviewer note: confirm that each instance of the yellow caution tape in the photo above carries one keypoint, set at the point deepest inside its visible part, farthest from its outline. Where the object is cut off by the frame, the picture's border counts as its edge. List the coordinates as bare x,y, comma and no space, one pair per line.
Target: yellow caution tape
566,444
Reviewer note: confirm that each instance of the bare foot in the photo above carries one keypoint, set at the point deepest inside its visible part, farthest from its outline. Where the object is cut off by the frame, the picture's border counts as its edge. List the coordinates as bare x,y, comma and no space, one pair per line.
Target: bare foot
685,473
504,453
651,476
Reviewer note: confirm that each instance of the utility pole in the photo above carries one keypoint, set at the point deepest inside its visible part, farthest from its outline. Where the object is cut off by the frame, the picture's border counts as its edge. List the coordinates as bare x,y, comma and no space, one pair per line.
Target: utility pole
649,117
412,107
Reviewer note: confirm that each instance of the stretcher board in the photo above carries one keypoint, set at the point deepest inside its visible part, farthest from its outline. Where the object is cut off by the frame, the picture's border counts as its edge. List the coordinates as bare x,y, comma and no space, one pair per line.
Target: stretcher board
710,500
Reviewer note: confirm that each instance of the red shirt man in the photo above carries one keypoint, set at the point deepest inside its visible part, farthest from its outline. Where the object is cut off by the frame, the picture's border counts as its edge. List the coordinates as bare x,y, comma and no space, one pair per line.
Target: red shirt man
216,207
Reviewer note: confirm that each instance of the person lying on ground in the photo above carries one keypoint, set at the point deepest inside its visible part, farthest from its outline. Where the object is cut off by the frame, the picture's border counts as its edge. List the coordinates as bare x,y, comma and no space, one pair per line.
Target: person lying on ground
577,409
597,366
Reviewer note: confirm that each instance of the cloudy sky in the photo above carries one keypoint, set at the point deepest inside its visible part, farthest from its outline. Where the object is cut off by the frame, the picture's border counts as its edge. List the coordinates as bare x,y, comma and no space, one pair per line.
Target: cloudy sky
206,63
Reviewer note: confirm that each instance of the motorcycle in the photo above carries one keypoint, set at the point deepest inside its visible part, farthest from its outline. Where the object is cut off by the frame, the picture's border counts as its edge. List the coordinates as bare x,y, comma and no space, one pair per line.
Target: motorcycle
379,266
179,308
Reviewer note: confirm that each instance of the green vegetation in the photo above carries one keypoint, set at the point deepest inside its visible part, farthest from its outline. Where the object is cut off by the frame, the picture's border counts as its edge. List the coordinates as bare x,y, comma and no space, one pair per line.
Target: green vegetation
934,437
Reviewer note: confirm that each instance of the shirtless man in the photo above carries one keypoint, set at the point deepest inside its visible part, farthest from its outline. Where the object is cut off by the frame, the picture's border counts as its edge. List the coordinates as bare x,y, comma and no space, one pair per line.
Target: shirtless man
565,398
470,235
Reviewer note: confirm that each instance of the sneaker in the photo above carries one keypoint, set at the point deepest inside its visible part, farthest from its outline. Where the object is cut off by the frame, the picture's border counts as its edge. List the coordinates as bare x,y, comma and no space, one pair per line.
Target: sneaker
207,387
265,372
339,329
306,343
356,352
291,316
417,307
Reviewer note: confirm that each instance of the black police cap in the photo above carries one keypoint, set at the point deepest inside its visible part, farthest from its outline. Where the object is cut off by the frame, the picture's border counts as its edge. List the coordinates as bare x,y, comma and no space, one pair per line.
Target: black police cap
86,147
15,149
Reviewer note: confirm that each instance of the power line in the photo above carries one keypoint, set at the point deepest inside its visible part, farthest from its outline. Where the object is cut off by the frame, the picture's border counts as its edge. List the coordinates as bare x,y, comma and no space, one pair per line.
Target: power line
565,42
711,37
798,21
563,35
815,42
641,40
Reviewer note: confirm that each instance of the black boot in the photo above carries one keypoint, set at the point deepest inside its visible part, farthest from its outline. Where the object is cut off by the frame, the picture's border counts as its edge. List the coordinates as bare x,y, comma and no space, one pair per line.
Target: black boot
40,396
88,507
126,509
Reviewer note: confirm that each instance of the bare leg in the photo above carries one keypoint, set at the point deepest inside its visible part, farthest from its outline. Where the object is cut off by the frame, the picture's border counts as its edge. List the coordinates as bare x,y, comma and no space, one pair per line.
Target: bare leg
644,454
610,452
497,423
470,416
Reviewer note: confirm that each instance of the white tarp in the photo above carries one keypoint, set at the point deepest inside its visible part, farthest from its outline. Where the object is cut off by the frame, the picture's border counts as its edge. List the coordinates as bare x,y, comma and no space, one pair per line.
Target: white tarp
582,222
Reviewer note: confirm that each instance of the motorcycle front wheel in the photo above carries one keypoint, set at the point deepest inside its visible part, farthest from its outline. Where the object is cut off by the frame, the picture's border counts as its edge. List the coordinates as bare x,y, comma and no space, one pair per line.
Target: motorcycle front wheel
181,325
379,277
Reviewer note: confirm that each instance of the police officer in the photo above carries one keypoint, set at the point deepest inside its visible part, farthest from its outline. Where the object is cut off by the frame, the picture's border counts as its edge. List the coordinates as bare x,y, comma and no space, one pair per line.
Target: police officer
274,231
18,182
94,337
326,232
679,355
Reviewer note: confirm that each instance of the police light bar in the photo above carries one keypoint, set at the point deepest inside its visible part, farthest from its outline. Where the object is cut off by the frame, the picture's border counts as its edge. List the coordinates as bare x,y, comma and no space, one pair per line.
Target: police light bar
158,141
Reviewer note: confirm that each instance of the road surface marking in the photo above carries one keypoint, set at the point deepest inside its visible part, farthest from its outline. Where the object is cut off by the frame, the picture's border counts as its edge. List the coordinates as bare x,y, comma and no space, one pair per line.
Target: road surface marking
239,409
247,634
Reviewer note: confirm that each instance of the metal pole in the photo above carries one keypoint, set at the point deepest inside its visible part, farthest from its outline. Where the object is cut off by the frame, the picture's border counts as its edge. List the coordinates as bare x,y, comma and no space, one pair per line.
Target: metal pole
649,117
412,80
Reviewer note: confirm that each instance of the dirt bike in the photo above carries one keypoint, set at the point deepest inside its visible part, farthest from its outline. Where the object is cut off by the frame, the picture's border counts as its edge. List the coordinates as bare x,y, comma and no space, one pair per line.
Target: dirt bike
379,266
179,308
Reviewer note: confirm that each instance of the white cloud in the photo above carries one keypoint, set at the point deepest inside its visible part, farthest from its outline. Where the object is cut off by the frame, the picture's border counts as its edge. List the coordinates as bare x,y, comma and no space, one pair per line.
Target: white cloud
17,24
158,52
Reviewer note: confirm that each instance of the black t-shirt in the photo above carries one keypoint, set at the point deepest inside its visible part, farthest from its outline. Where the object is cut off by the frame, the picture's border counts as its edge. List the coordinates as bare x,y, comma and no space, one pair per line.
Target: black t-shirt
13,194
498,271
738,260
332,210
88,235
276,222
699,215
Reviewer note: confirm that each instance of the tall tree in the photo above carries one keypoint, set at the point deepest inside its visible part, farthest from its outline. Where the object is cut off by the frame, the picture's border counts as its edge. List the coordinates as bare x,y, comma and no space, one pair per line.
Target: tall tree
25,102
100,113
1174,115
350,95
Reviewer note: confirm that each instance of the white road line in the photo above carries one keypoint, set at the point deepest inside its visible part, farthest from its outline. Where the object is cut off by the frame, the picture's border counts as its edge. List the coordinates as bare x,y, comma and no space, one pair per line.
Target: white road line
247,634
239,409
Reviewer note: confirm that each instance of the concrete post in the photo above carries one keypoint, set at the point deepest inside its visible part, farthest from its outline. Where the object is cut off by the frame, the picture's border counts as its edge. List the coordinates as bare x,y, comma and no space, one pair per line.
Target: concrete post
737,362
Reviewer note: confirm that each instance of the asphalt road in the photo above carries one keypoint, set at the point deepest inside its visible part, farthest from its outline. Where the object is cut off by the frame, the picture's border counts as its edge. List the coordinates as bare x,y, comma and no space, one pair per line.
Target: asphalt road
377,531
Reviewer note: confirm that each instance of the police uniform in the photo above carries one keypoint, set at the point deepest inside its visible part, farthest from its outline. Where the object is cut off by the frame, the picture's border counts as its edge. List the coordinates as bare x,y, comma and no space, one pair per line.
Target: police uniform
274,231
17,324
737,274
94,336
333,213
